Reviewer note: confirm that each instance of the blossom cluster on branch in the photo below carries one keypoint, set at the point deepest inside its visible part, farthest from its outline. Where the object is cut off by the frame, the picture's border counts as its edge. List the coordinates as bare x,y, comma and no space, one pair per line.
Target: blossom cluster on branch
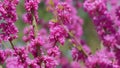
43,40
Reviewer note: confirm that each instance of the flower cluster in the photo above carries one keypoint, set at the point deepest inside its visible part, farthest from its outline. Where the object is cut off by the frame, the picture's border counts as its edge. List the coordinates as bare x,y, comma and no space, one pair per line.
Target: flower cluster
106,22
57,33
31,6
102,59
50,43
8,16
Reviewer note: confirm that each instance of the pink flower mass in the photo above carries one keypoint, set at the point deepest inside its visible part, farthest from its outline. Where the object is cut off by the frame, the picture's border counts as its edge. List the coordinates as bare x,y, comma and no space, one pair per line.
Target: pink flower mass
53,33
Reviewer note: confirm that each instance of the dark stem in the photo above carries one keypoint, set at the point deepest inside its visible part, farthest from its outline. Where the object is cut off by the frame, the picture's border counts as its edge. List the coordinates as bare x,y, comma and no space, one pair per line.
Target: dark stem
15,50
12,45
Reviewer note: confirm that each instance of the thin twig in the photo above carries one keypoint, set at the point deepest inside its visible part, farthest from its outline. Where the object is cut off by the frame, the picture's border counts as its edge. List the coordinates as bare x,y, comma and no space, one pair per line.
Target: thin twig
15,50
